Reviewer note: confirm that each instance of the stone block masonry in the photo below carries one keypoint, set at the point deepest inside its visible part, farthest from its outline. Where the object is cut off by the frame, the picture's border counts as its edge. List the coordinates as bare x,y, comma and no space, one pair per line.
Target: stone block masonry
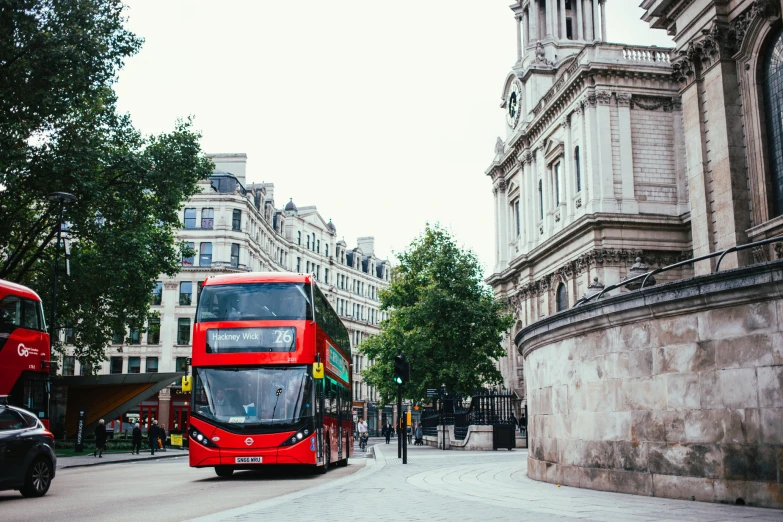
673,391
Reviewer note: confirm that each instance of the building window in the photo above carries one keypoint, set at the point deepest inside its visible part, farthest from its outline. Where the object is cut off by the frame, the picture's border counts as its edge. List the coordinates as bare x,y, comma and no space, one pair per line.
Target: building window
556,174
207,218
205,256
69,337
152,365
157,294
235,255
236,220
183,330
516,216
308,241
118,337
134,364
135,336
188,260
190,218
185,293
562,298
578,170
318,246
299,265
116,365
69,365
181,364
153,334
326,250
326,276
540,200
299,238
773,87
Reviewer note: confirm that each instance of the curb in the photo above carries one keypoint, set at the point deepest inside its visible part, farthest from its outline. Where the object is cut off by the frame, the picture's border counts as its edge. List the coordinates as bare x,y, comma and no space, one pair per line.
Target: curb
107,462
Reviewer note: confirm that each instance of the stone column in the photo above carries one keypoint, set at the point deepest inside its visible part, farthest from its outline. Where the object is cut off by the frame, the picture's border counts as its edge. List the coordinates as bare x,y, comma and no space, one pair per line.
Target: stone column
596,21
604,137
164,408
568,172
529,201
578,29
125,364
592,179
629,204
679,157
550,19
525,29
563,30
603,20
588,19
519,37
549,200
535,31
503,204
497,226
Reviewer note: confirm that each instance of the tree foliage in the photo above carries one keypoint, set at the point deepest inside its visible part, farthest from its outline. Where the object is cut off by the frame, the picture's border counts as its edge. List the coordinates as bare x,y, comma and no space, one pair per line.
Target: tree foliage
60,132
442,317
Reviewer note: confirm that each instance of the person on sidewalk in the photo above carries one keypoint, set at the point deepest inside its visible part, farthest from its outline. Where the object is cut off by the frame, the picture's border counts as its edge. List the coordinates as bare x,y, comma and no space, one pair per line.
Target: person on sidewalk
419,435
152,433
162,437
136,440
100,439
409,433
387,431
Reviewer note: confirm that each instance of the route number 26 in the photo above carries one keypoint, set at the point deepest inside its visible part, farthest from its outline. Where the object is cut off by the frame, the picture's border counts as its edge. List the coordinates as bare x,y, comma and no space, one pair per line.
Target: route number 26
283,337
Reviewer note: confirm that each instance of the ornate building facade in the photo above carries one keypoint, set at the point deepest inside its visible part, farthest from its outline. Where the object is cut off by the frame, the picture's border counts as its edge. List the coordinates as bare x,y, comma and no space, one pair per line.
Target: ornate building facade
591,175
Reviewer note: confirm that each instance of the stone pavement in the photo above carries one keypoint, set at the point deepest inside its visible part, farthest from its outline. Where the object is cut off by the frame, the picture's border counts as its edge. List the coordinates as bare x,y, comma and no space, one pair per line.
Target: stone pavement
111,458
486,486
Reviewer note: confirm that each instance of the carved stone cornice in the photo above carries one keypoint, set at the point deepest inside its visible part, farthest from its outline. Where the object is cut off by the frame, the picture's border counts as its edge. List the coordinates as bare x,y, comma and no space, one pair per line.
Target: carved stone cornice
604,97
623,100
527,157
590,100
651,103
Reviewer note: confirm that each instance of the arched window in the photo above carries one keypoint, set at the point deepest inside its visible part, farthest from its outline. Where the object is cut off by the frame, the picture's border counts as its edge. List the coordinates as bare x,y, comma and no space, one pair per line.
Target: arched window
562,298
578,170
773,87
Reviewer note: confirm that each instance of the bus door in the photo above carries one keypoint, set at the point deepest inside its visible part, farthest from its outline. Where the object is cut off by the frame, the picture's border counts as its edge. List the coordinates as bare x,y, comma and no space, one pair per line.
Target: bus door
339,399
319,417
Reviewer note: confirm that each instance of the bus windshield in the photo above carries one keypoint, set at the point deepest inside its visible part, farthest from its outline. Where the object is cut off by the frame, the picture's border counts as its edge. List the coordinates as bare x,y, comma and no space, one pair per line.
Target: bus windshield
242,397
254,302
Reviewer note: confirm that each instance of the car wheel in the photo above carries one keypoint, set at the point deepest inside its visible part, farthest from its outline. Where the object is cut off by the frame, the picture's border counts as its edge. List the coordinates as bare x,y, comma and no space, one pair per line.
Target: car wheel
224,471
38,478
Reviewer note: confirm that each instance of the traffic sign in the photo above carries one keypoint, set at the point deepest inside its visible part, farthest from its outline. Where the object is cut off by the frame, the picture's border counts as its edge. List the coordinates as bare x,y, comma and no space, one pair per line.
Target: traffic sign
433,392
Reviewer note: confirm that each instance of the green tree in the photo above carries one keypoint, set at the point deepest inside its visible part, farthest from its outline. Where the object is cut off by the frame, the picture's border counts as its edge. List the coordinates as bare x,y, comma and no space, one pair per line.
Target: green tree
442,317
60,131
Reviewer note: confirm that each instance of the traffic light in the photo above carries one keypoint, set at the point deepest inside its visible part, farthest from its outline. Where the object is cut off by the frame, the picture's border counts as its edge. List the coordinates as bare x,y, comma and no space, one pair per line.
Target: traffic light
187,383
402,370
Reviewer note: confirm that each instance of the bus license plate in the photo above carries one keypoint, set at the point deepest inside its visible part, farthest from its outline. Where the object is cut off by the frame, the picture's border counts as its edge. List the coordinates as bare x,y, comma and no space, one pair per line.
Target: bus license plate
248,460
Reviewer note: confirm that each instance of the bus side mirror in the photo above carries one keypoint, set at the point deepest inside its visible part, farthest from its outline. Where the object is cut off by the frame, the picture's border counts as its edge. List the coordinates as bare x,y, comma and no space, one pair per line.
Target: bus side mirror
318,370
187,383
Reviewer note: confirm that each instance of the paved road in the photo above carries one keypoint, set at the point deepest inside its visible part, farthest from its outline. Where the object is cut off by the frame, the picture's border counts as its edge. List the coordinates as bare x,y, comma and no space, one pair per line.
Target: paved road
466,486
158,490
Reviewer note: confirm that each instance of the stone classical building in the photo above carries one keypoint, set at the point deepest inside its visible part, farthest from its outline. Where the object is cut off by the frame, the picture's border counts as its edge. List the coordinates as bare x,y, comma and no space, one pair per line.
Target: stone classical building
591,174
233,227
674,390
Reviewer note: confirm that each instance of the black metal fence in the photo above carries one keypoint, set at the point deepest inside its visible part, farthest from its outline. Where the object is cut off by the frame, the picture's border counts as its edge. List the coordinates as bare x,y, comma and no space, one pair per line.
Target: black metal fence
487,408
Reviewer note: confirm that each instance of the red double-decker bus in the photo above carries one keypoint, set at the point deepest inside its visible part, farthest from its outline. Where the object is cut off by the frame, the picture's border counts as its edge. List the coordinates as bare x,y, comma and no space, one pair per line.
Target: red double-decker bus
271,375
24,350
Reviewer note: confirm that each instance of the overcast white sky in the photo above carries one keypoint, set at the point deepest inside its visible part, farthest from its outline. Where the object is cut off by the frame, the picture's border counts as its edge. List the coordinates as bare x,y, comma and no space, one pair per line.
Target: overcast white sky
382,114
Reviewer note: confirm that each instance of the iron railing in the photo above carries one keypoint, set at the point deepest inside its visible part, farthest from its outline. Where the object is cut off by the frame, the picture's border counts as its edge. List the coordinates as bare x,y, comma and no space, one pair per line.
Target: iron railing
647,275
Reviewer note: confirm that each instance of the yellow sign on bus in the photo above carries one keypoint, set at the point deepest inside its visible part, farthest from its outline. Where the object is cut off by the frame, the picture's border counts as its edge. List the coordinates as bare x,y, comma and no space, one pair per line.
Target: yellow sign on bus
176,440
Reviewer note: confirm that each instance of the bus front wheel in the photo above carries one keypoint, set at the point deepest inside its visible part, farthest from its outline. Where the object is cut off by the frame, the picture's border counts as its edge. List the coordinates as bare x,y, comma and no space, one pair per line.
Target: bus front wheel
224,471
327,457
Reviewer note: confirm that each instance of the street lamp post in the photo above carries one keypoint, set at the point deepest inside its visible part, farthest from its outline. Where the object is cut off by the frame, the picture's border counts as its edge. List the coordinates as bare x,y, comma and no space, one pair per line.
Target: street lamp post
62,198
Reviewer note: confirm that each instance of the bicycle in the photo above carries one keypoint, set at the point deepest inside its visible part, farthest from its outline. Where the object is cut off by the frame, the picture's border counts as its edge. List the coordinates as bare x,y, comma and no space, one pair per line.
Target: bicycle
363,442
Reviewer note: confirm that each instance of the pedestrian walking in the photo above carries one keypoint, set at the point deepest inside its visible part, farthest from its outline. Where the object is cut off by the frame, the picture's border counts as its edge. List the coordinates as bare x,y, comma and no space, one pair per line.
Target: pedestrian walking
136,440
152,433
100,439
523,426
387,431
409,433
419,434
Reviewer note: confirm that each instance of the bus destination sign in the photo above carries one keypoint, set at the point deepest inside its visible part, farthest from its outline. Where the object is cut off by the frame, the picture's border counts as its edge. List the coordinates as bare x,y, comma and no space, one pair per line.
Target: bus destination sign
248,340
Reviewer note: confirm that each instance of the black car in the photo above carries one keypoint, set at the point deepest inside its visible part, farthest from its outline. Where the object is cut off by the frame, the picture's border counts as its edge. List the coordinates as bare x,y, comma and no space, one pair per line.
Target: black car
27,459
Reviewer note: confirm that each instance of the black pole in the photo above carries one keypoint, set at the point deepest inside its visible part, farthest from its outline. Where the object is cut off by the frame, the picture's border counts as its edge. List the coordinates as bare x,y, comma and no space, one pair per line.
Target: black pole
405,439
52,329
399,421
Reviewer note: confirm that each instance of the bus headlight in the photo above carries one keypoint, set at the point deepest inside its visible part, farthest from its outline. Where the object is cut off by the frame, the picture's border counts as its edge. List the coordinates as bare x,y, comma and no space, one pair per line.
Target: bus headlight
300,434
199,437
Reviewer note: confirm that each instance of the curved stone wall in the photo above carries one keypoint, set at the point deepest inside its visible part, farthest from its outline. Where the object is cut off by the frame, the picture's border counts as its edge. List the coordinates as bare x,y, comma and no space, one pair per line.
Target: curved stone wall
675,391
